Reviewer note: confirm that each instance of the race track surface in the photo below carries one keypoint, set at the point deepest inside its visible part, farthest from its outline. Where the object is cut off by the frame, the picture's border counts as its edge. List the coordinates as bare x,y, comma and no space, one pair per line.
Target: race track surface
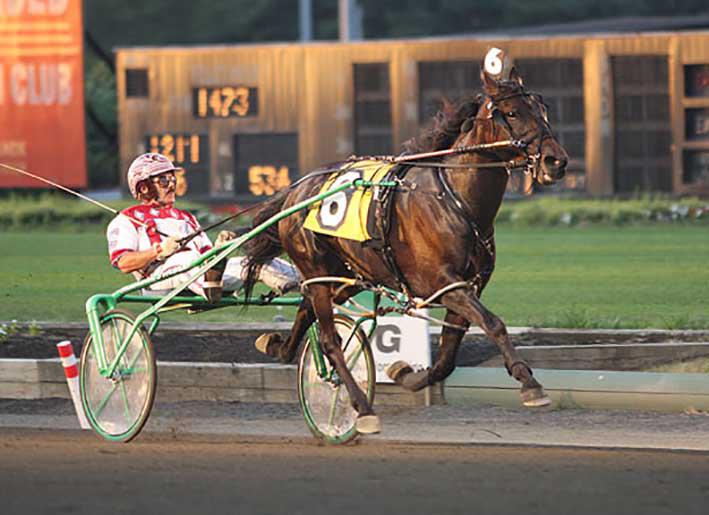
44,472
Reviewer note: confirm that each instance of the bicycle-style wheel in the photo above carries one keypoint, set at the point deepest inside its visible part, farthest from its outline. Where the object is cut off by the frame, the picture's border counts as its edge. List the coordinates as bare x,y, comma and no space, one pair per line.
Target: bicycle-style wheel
118,407
325,402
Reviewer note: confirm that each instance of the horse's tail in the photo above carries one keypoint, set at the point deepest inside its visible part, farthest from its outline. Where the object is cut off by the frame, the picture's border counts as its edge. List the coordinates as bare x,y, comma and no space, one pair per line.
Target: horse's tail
264,246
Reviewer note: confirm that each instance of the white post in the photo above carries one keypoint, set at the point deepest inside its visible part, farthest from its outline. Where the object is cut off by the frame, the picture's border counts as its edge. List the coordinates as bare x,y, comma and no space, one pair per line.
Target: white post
71,371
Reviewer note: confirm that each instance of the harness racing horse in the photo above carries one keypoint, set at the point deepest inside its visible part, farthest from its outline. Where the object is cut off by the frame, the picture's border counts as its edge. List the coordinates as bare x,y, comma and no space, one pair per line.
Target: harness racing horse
439,239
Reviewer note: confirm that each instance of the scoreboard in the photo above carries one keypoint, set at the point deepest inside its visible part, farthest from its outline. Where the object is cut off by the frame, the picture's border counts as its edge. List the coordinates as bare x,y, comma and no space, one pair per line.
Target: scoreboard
188,151
262,162
224,101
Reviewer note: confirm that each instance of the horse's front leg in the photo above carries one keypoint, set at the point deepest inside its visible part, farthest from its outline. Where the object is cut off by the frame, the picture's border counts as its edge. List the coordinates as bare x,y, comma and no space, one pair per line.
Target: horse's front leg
466,303
402,373
367,421
285,351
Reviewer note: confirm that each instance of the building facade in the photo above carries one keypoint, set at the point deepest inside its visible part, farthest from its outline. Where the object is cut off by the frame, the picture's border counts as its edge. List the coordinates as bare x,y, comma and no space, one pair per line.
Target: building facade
247,120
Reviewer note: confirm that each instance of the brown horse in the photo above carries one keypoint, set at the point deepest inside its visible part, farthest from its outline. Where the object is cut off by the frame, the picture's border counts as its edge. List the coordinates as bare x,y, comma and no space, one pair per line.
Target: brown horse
439,233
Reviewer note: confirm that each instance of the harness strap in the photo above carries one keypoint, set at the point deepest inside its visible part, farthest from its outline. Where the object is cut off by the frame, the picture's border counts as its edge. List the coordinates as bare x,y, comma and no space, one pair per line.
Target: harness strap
383,213
483,274
459,206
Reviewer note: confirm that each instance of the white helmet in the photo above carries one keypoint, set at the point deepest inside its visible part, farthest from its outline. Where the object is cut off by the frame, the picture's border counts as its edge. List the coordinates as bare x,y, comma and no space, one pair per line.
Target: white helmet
145,166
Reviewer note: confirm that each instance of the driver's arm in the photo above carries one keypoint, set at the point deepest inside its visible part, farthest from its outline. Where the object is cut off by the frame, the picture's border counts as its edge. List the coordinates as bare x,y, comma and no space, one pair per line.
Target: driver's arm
136,260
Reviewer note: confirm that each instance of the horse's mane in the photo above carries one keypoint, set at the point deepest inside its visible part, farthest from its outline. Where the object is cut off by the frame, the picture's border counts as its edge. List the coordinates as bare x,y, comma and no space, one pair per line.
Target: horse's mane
445,127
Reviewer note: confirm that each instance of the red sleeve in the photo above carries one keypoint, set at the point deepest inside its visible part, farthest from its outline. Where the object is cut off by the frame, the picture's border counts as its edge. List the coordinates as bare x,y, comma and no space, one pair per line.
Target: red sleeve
116,254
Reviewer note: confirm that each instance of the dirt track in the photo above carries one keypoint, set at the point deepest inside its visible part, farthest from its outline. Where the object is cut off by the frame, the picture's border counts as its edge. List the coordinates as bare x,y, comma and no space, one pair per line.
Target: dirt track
75,473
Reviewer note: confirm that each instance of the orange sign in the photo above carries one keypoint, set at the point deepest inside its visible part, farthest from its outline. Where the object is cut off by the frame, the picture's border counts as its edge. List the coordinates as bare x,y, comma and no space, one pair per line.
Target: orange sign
42,92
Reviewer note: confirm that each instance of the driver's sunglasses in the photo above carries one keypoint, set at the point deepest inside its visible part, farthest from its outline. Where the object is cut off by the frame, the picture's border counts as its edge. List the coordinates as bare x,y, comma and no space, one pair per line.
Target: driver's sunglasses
165,180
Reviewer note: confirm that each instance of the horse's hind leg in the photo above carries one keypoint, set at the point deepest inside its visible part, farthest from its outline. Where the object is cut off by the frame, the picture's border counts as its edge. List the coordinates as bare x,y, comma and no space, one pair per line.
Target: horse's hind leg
467,304
367,421
403,374
285,351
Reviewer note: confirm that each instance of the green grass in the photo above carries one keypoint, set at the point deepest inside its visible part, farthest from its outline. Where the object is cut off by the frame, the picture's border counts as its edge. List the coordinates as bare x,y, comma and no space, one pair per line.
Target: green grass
595,277
602,277
48,277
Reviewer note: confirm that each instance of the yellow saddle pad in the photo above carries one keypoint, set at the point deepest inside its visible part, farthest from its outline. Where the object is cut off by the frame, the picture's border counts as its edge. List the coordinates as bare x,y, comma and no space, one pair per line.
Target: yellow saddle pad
347,214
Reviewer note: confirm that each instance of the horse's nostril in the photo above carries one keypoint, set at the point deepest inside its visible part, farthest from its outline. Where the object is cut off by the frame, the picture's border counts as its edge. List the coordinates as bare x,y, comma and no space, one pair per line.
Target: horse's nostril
555,163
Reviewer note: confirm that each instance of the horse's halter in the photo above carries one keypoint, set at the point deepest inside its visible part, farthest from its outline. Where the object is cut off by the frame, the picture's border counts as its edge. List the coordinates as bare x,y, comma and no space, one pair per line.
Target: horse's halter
522,141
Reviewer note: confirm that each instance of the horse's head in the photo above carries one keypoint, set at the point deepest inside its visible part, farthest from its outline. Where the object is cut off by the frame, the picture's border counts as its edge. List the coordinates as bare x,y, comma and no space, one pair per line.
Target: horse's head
510,113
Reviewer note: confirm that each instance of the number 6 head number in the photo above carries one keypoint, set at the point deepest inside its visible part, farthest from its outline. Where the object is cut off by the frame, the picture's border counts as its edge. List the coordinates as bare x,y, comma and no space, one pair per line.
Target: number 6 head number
496,64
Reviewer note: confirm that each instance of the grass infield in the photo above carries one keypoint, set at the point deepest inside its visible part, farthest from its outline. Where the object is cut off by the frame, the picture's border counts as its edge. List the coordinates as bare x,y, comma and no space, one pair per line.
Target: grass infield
595,277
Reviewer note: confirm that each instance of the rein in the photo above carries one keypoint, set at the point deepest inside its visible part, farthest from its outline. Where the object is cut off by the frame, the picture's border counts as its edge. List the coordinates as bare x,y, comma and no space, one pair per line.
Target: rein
467,149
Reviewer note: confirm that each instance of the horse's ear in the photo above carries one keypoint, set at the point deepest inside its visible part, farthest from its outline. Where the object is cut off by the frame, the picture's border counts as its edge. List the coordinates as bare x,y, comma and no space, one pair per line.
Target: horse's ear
516,77
446,105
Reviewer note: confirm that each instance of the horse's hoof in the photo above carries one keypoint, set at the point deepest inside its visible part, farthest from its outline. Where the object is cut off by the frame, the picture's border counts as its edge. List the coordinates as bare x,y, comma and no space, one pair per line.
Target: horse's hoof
402,374
268,343
368,424
535,398
397,370
416,381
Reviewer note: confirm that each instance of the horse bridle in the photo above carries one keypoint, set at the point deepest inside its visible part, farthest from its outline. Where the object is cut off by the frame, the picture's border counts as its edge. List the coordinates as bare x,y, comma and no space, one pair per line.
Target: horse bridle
522,142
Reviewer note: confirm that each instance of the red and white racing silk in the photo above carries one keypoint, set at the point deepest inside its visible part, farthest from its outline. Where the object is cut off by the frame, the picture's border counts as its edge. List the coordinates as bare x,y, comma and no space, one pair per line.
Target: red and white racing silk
126,234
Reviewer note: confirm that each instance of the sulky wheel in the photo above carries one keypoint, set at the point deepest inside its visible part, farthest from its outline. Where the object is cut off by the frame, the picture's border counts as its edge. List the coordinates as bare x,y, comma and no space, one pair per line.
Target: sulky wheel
117,407
325,402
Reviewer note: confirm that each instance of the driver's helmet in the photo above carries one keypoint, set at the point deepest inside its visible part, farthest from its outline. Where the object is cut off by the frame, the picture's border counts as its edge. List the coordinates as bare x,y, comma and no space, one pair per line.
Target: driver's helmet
145,166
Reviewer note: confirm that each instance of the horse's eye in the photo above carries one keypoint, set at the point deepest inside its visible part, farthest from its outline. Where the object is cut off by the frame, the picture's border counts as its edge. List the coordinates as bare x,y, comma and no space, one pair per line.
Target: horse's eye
511,115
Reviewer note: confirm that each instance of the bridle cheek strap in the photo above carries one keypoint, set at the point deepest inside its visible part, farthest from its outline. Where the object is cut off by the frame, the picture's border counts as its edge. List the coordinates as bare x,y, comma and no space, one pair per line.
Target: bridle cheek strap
540,132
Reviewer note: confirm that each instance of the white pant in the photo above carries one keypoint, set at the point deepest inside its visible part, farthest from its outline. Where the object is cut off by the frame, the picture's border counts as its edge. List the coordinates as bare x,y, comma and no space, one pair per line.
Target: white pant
276,274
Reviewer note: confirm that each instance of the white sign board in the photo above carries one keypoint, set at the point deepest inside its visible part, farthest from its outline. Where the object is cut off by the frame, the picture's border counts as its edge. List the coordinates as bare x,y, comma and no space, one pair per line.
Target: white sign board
400,338
396,338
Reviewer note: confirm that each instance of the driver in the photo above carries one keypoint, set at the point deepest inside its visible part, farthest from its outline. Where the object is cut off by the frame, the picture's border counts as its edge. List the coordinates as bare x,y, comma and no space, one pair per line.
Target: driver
135,243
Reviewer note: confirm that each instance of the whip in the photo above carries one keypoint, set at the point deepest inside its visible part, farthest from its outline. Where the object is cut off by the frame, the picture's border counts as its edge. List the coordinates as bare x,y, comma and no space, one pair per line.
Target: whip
77,194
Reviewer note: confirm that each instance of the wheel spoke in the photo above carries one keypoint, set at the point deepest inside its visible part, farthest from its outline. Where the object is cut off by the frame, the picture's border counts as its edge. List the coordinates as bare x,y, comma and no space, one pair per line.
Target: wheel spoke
126,405
104,401
352,360
333,406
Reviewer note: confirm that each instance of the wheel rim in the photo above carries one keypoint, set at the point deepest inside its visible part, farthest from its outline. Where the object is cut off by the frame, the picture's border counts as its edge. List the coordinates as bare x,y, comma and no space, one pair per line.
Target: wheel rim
326,405
117,408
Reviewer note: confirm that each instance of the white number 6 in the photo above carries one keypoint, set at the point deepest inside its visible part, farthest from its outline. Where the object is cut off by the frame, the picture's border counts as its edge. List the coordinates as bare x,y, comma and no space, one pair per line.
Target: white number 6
333,209
493,61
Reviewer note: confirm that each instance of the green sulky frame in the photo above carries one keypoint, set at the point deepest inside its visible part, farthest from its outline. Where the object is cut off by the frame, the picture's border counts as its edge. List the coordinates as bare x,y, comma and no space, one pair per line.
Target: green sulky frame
100,303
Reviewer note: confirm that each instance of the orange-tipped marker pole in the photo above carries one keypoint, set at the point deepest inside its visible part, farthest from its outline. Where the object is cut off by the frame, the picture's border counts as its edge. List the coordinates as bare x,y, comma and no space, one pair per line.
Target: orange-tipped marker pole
71,371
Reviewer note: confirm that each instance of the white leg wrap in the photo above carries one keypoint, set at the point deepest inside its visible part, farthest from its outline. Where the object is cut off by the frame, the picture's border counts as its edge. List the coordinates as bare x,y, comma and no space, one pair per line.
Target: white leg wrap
178,261
231,279
279,275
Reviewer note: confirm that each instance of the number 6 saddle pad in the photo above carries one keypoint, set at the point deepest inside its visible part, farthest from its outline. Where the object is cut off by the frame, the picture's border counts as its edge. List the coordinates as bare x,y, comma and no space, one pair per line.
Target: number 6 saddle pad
349,214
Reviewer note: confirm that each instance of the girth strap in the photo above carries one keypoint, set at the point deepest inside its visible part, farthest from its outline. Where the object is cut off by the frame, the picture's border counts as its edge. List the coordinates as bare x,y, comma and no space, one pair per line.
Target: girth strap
383,214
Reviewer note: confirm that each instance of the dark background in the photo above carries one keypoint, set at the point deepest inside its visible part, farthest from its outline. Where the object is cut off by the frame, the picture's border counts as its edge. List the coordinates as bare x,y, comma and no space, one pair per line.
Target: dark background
115,23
